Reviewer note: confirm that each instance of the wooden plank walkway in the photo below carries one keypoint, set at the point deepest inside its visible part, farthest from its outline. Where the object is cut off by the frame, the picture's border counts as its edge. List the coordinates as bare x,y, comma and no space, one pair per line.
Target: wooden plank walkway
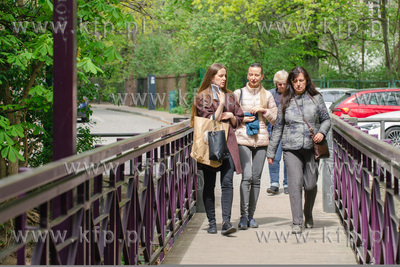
271,243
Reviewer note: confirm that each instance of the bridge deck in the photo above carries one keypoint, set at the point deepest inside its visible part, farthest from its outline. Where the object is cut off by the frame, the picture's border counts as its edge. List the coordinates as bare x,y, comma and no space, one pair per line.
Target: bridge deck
326,243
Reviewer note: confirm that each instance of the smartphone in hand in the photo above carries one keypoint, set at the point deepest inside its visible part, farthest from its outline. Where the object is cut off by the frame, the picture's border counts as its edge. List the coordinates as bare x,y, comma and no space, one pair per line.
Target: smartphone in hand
215,88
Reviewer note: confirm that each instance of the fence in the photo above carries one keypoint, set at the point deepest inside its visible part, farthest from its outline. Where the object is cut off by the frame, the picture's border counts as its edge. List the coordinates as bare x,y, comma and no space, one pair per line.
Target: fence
138,90
366,182
125,203
356,84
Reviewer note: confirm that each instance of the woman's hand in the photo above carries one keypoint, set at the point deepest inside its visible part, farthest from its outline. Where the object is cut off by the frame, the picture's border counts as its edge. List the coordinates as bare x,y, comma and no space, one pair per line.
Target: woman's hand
257,109
221,97
318,138
270,161
249,119
227,115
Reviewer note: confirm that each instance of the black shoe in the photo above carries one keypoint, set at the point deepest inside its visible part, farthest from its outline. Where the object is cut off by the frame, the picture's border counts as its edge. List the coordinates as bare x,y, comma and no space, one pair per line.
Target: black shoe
309,222
228,228
212,229
286,190
243,223
273,190
253,223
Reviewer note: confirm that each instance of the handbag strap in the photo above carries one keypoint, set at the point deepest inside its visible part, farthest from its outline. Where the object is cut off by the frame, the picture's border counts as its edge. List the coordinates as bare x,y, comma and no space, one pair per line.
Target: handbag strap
304,119
215,127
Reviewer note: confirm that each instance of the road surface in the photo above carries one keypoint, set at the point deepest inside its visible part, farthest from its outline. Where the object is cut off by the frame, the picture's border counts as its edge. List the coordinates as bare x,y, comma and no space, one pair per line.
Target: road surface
104,120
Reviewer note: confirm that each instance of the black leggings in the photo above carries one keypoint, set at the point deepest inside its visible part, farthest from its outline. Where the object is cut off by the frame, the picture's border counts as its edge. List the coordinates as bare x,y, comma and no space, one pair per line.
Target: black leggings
227,170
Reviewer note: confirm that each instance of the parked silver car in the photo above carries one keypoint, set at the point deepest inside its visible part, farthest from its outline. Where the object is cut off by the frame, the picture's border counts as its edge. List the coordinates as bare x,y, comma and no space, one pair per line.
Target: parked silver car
392,129
332,94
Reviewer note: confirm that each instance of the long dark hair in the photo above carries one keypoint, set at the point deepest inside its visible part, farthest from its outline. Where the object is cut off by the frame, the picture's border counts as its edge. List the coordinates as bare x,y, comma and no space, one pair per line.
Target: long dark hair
211,72
289,92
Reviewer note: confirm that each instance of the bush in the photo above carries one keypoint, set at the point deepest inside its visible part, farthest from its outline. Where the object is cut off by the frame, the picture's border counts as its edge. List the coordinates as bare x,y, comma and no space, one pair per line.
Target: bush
178,110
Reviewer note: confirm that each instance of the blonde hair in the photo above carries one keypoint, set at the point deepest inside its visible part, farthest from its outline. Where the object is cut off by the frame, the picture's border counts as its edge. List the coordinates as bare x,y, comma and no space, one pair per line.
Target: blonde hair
281,76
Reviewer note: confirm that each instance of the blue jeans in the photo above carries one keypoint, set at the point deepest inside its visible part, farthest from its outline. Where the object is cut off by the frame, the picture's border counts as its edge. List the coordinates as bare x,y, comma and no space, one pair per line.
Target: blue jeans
274,169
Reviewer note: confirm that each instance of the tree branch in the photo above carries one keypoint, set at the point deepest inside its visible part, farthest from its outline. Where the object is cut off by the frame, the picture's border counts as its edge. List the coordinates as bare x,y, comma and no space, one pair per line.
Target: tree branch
31,81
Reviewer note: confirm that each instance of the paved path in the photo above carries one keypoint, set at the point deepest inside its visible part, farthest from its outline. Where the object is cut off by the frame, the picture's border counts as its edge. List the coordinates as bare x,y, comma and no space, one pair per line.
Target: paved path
154,114
326,243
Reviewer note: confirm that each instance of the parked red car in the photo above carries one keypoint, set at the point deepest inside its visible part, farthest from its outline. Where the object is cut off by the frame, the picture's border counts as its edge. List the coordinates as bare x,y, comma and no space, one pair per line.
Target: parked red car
365,103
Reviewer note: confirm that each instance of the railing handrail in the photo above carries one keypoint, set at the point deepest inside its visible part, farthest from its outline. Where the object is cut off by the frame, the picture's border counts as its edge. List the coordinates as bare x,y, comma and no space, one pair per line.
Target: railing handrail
366,189
145,199
378,119
370,146
15,185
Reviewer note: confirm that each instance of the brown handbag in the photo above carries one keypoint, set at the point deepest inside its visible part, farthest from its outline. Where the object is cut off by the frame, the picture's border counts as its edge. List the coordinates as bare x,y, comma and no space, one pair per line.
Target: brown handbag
200,147
321,149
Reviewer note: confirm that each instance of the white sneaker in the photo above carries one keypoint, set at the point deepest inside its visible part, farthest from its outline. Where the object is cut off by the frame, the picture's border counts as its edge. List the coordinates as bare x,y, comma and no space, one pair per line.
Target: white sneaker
297,229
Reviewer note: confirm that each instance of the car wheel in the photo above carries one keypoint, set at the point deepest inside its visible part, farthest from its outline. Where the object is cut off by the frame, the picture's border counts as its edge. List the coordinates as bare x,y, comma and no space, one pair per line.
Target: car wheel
394,135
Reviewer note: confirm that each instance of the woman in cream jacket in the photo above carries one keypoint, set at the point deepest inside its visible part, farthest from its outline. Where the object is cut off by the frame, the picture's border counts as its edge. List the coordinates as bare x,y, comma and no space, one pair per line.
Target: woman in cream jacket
259,104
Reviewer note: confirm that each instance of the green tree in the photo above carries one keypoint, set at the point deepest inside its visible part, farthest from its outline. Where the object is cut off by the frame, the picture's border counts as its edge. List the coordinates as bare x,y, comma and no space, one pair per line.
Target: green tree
26,47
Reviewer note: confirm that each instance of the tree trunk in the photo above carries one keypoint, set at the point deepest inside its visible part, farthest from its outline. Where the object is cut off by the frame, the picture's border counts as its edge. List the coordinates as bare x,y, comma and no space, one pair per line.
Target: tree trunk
362,55
12,167
26,150
312,61
337,55
384,22
3,168
398,45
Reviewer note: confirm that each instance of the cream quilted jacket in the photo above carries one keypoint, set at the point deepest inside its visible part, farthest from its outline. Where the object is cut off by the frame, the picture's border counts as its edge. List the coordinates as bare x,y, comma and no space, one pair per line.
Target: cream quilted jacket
252,97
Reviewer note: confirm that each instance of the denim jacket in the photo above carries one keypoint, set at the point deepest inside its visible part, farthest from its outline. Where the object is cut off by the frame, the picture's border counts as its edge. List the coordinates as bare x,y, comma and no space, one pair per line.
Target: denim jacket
293,130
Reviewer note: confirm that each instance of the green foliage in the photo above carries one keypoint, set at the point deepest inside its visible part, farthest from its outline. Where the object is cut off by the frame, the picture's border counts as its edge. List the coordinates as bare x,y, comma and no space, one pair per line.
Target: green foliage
279,35
8,146
26,59
179,110
156,54
193,85
41,141
85,140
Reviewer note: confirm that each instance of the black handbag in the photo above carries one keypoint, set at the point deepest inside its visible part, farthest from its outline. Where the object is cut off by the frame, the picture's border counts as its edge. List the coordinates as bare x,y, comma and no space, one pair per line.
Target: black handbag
218,148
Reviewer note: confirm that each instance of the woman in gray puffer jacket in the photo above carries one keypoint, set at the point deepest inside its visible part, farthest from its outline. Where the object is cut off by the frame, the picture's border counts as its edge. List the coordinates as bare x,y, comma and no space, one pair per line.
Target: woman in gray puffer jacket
297,142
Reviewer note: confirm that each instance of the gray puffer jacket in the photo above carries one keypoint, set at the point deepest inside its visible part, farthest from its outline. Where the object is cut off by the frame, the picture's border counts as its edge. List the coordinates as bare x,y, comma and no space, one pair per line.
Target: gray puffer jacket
293,130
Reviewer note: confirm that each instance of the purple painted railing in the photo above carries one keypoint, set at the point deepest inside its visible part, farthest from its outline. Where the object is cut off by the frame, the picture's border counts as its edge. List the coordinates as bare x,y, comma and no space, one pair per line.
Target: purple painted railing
366,177
131,204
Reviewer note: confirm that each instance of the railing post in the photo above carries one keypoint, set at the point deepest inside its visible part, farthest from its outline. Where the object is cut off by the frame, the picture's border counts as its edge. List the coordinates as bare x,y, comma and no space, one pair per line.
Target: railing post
65,75
326,170
64,104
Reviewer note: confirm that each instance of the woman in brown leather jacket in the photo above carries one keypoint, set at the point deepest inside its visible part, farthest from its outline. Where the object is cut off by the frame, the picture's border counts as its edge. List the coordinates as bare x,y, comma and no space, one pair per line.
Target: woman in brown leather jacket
223,104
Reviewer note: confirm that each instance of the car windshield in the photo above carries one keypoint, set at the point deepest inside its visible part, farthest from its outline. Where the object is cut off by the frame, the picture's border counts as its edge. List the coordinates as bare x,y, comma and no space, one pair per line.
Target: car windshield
332,96
386,98
341,99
